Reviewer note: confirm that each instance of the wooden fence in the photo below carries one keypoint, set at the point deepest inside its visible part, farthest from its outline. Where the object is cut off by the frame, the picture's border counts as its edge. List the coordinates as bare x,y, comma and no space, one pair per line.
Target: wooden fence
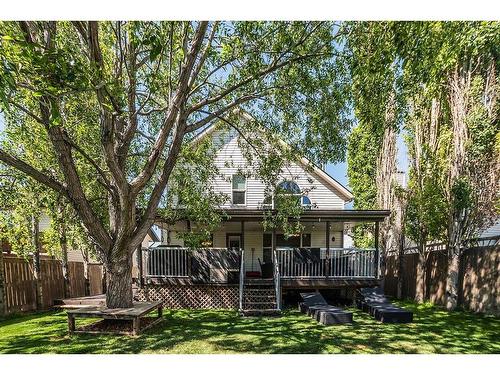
20,292
479,278
95,279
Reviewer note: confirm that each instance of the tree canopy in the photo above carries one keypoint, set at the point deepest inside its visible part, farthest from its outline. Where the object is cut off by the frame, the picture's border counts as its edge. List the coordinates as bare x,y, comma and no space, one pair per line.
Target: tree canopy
101,112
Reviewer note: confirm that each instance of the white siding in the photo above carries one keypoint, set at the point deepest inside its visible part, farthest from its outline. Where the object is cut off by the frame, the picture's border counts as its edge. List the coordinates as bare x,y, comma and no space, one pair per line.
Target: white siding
44,222
230,159
318,238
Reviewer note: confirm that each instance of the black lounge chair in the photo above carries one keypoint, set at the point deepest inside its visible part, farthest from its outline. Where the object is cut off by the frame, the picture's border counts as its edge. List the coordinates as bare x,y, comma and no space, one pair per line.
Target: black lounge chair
374,302
393,314
316,306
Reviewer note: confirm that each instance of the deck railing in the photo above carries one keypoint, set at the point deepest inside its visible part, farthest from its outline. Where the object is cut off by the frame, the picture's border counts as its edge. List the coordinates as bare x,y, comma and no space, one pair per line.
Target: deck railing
317,263
168,262
277,279
180,262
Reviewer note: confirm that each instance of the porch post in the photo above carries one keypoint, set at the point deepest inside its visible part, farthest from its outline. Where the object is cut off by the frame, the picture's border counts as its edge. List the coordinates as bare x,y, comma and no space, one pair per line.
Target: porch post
275,261
242,242
377,251
140,272
327,255
274,242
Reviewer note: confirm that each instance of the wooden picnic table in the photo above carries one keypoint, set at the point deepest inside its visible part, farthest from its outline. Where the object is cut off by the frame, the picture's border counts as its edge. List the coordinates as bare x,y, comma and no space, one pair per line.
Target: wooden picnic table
135,313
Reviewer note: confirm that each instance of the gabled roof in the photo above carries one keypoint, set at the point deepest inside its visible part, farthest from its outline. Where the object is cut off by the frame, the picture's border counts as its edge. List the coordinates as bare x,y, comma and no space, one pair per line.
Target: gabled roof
344,193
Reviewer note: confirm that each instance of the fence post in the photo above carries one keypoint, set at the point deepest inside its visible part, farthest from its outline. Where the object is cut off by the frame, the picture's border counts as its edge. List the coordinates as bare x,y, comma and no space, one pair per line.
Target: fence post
140,271
2,286
36,261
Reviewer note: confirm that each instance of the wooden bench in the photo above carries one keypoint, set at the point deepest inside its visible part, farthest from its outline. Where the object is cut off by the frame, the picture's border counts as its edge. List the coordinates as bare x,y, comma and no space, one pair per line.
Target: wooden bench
134,314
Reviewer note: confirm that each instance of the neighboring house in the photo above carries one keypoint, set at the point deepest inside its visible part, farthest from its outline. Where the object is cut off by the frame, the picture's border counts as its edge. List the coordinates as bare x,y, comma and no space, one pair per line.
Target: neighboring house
75,255
43,225
491,231
321,256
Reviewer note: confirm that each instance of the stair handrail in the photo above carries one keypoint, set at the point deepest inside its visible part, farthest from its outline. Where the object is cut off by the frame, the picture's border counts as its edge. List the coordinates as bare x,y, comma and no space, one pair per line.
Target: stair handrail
242,276
277,281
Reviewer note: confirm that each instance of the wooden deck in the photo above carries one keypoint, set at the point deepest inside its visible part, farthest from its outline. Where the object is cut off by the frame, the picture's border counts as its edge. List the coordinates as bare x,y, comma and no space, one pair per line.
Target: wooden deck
324,283
285,283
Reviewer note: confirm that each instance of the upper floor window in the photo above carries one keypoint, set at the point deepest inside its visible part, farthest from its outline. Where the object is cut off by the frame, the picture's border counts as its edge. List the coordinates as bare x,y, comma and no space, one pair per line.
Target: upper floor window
306,202
239,189
288,187
287,191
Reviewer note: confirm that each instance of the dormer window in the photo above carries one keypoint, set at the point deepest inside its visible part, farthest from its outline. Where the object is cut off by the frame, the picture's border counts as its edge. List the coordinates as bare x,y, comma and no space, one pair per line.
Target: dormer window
287,190
239,189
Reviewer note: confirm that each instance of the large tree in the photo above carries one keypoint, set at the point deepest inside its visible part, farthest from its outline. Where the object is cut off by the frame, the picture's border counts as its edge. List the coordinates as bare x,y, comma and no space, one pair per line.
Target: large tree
426,209
445,75
458,63
117,102
372,145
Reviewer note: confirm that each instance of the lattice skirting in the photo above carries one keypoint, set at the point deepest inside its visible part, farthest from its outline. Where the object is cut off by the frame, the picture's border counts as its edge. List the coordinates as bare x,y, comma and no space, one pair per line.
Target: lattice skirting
191,296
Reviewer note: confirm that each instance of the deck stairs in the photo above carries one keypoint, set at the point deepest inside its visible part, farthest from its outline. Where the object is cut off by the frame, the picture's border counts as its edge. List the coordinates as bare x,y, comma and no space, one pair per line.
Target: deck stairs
259,298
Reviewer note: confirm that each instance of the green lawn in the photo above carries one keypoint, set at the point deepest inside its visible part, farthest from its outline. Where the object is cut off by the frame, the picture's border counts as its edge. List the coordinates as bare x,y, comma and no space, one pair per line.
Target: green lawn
211,331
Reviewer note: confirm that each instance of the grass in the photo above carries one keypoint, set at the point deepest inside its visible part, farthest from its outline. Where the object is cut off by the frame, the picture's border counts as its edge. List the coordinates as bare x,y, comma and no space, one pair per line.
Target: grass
221,331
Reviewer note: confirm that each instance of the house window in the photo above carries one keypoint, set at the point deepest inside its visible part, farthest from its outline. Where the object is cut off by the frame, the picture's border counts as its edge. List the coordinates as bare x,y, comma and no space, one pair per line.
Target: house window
306,202
301,241
239,189
288,191
268,202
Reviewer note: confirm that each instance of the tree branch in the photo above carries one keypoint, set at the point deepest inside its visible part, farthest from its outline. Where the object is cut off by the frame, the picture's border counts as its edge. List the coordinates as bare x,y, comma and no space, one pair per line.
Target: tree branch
273,67
213,115
204,55
33,173
180,95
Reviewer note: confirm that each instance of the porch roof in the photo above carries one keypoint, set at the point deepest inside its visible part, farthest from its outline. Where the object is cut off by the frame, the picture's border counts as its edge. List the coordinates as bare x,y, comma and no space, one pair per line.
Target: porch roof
242,214
315,215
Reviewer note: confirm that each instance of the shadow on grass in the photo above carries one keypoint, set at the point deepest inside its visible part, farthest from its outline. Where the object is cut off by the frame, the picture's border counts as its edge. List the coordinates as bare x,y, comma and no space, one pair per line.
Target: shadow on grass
214,331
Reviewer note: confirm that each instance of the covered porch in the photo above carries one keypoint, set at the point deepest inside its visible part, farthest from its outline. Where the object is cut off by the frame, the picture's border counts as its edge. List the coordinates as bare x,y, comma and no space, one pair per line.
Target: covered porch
245,257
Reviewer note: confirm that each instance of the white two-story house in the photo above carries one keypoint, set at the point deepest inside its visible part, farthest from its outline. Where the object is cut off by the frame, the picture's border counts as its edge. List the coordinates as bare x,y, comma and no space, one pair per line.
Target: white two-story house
245,258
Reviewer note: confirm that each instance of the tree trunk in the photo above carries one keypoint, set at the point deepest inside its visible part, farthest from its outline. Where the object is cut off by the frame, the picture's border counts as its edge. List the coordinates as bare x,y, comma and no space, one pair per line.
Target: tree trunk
401,254
85,256
399,239
386,168
420,277
36,261
452,279
119,280
64,259
459,85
